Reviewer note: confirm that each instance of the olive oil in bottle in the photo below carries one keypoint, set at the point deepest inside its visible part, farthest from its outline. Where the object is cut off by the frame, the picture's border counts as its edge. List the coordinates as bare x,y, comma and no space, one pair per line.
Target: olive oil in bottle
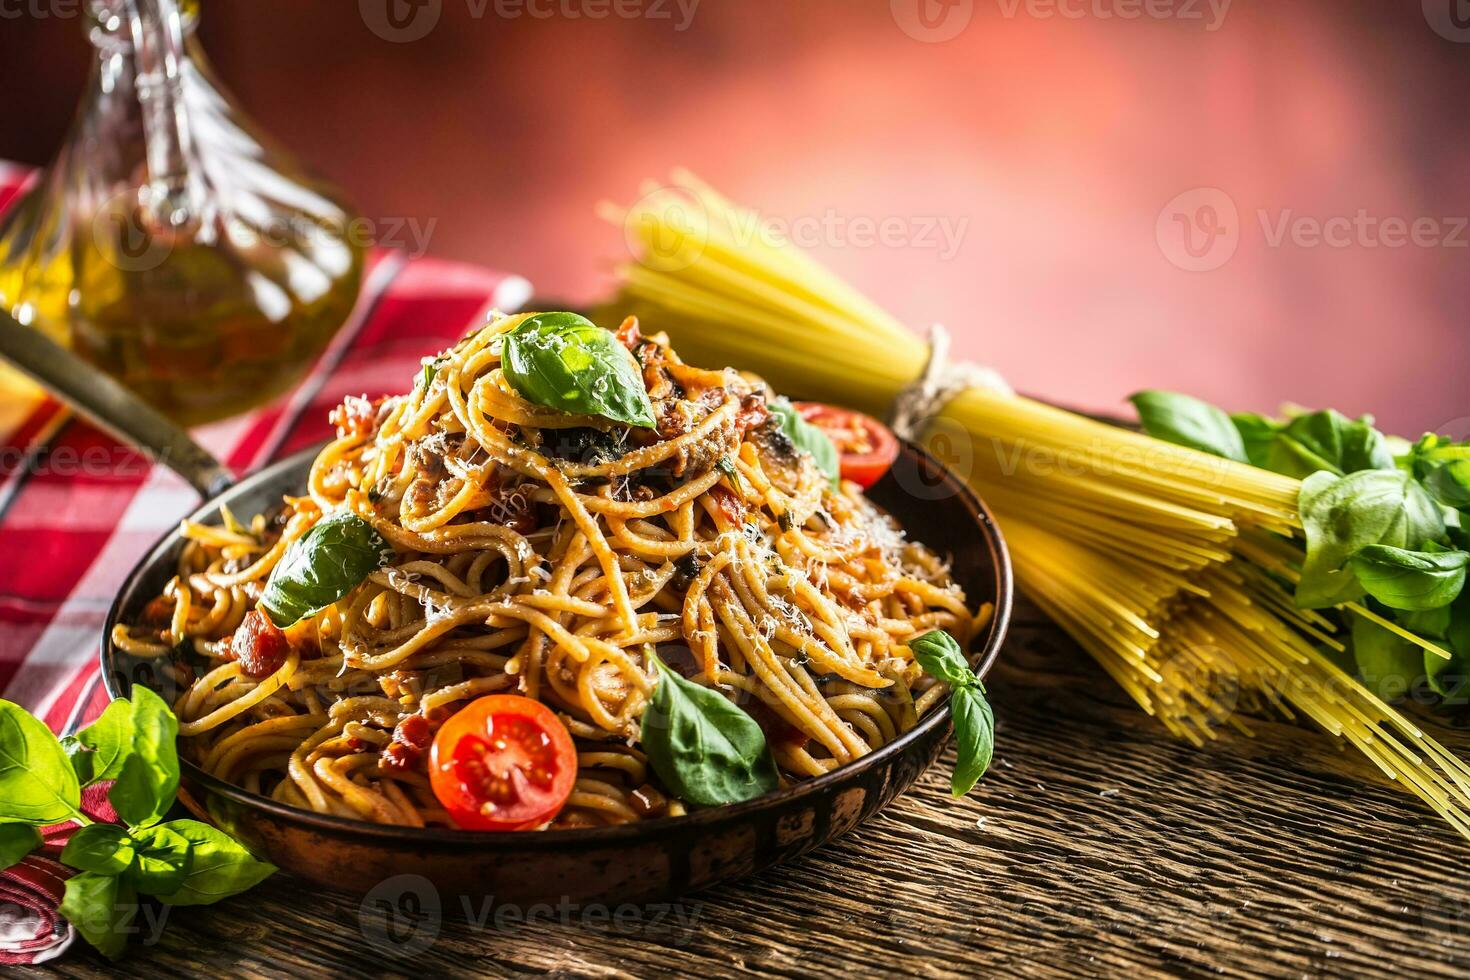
169,243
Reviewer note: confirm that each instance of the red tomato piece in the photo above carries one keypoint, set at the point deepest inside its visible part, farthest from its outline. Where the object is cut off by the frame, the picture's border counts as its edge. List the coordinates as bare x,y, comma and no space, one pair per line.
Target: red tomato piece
260,647
867,447
502,762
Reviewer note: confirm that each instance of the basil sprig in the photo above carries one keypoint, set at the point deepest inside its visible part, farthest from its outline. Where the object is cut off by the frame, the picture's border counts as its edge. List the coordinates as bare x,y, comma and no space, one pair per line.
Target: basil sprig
705,750
567,362
808,438
179,862
322,566
1389,530
974,723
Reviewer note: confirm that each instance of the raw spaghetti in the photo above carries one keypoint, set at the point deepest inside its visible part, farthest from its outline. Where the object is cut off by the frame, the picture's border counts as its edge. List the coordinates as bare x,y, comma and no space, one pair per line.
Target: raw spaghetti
549,554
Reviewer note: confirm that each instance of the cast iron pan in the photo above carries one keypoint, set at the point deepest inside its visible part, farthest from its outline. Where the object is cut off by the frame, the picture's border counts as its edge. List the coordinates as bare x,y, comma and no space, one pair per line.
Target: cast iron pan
645,862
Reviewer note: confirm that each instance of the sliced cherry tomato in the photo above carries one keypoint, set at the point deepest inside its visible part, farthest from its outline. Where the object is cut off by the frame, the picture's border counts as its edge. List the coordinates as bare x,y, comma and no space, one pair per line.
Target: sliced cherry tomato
867,446
502,762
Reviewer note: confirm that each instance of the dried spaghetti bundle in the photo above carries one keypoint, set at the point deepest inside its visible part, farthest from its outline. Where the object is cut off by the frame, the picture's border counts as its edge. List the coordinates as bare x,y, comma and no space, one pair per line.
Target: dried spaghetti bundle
1172,567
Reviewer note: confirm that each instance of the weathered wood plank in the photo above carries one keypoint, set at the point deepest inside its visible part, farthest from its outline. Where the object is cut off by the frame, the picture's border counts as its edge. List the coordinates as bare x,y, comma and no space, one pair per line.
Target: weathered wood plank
1097,845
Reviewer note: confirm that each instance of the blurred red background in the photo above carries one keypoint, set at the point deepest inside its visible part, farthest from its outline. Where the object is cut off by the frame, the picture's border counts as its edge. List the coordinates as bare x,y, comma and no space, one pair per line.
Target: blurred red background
1046,138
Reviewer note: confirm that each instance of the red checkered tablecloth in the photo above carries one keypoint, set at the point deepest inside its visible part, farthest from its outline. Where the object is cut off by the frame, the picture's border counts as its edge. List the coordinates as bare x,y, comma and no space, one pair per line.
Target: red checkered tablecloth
77,510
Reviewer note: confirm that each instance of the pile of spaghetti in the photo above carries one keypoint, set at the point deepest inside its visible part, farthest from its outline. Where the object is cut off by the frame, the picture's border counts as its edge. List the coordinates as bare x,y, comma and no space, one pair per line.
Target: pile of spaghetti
560,557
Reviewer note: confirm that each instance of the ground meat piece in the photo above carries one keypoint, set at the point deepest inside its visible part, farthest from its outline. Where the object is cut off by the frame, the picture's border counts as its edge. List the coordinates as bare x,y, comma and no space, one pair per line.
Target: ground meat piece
258,645
411,738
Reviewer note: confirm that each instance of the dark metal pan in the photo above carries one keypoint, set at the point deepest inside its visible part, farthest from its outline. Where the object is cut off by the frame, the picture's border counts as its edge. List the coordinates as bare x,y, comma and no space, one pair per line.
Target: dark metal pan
649,861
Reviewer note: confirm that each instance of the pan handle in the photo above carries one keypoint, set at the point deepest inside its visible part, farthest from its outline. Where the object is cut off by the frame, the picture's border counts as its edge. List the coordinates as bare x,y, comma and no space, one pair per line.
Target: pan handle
110,406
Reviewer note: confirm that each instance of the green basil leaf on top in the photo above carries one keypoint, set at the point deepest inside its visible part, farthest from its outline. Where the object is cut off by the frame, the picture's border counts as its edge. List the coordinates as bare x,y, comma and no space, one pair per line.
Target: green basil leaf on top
567,362
808,438
1187,421
37,783
101,907
1342,515
1443,466
1411,580
322,566
102,848
161,861
705,750
149,780
974,722
219,866
98,751
16,841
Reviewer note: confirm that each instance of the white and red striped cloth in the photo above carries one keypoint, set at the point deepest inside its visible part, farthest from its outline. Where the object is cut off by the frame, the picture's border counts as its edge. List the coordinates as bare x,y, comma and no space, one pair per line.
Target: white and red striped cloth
77,510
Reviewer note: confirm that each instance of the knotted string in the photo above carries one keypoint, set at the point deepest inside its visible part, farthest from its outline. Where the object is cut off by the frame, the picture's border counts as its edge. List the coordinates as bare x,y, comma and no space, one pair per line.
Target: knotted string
940,383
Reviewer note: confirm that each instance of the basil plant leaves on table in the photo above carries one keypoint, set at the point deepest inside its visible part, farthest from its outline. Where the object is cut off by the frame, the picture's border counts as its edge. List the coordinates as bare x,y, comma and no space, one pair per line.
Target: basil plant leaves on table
1386,522
178,862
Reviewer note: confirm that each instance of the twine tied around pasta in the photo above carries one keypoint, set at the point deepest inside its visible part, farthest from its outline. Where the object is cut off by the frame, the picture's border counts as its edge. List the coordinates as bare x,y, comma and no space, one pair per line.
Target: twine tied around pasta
941,381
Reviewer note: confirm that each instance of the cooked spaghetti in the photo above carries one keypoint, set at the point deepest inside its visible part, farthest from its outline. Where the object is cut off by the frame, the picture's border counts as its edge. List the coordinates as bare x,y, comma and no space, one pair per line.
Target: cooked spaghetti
552,555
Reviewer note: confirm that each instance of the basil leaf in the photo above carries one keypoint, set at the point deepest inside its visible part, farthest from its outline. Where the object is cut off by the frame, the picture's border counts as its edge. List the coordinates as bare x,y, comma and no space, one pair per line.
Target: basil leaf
941,657
98,751
974,723
808,438
1387,663
974,732
100,906
567,362
219,866
1342,515
1187,421
322,566
1330,440
149,780
705,750
37,784
1313,441
1258,436
16,841
1449,483
161,862
102,848
1412,580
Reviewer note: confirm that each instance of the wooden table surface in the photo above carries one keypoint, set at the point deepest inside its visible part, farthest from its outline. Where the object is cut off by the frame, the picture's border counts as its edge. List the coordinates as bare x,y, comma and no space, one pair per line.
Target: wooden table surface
1097,845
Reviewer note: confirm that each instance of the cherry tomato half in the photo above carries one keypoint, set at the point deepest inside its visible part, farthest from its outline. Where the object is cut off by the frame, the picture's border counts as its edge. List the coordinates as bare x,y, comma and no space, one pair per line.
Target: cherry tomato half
867,446
502,762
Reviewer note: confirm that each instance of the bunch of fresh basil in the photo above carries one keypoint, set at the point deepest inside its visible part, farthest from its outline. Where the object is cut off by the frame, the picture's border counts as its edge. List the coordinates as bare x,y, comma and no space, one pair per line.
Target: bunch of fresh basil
180,862
1385,523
